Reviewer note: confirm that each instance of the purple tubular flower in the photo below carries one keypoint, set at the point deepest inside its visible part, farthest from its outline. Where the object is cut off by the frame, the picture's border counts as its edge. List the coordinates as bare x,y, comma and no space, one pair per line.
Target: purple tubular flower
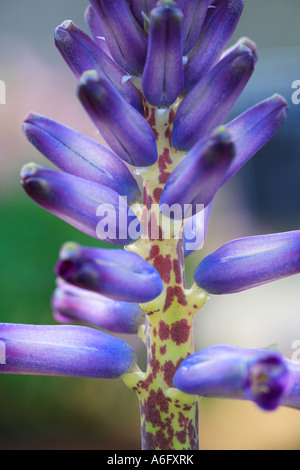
81,53
81,306
80,202
126,39
163,73
253,129
250,262
194,15
95,28
67,351
116,274
222,371
220,23
138,7
195,230
124,129
197,178
210,102
80,156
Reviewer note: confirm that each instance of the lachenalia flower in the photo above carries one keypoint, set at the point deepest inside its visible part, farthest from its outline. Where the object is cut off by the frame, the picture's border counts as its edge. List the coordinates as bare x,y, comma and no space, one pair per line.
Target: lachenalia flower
158,83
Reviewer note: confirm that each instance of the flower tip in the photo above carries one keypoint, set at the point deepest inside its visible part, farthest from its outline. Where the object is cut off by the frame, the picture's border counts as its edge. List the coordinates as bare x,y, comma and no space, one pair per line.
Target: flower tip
65,269
28,170
248,44
69,250
66,25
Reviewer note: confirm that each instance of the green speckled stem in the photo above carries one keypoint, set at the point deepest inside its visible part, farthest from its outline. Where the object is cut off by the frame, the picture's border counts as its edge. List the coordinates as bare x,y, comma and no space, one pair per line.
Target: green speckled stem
169,418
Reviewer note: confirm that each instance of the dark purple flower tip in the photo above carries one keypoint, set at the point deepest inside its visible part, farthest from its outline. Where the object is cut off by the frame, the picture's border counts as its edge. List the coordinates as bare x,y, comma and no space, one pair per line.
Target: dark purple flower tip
195,181
253,129
250,262
126,39
68,351
163,73
96,30
90,207
81,54
223,371
142,7
267,382
220,23
73,305
194,15
127,133
80,156
116,274
210,101
195,230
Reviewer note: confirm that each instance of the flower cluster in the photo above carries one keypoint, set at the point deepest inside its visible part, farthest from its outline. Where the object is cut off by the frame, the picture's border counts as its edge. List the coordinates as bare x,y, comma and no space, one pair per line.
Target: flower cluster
159,84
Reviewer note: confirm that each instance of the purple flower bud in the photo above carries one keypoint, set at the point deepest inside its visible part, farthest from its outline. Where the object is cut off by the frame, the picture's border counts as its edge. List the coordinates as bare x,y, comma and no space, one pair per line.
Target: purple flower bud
127,133
116,274
253,129
292,397
81,306
86,205
197,178
195,230
163,73
200,112
81,54
194,13
96,30
67,351
126,39
138,7
80,156
220,23
228,372
250,262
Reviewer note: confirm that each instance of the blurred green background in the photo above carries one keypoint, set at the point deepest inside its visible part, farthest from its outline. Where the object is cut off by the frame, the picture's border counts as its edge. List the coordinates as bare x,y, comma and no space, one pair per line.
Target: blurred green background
49,413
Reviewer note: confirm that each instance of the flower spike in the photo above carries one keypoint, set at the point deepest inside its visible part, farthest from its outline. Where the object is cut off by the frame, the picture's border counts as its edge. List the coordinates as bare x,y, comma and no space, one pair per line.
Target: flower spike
250,262
81,53
80,202
75,305
222,371
80,156
126,39
200,111
220,23
124,129
163,73
197,178
116,274
66,351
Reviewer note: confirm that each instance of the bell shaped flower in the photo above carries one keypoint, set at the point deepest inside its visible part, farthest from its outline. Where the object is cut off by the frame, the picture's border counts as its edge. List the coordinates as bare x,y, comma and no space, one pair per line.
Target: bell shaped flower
163,73
80,156
116,274
126,39
250,262
84,204
220,23
127,133
210,101
223,371
197,178
73,305
81,54
66,351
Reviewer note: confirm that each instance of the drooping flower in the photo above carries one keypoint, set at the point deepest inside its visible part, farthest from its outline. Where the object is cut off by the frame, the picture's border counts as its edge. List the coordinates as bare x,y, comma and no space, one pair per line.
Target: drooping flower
223,371
69,351
250,262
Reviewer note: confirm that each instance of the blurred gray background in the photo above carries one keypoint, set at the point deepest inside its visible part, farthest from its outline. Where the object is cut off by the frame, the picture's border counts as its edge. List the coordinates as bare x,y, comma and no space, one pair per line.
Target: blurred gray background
264,197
